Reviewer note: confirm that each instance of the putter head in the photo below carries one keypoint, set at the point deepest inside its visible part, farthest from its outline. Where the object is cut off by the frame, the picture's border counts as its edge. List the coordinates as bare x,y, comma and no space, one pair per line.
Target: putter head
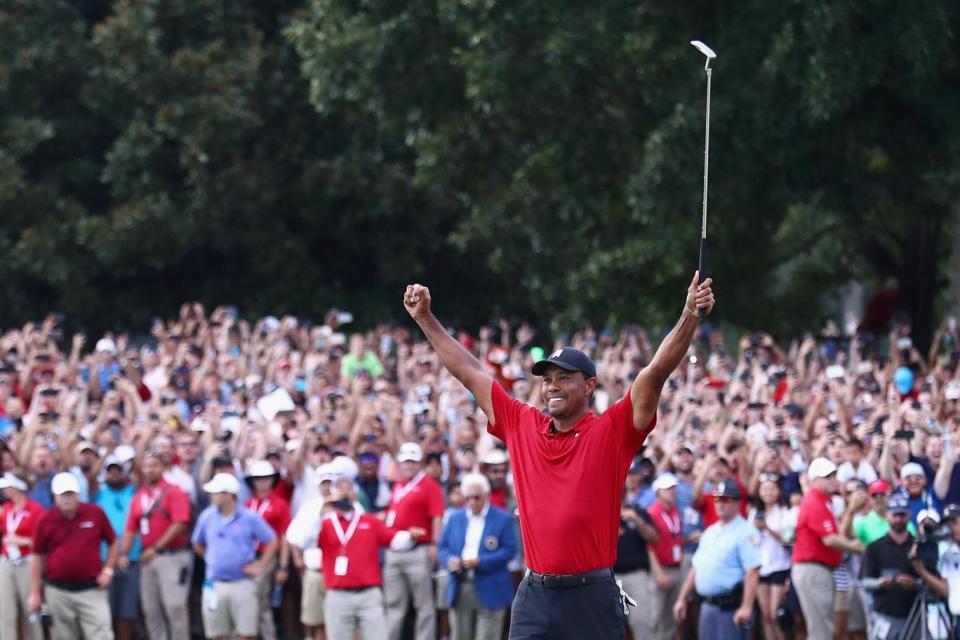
705,50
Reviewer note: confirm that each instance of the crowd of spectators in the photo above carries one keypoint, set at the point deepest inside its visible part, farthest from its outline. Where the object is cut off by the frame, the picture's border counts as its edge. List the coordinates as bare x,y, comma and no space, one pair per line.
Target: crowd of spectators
171,435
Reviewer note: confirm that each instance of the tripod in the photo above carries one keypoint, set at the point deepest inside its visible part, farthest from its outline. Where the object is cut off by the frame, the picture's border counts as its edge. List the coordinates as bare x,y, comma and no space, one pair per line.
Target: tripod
917,626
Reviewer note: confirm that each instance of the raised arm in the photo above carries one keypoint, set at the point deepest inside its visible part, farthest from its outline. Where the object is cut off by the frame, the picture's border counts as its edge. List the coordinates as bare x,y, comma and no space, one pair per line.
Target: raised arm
645,392
458,361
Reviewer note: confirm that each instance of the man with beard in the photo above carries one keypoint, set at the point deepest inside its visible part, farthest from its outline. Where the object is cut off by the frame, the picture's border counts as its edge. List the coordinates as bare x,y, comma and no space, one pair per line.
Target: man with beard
115,496
889,573
86,468
569,467
159,515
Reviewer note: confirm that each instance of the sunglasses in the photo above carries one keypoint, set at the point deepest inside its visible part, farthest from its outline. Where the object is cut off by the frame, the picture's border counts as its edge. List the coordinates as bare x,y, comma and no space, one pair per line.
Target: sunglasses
725,499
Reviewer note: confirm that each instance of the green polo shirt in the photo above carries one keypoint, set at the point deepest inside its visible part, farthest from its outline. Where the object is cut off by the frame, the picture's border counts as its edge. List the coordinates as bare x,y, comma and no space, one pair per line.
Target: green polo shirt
874,526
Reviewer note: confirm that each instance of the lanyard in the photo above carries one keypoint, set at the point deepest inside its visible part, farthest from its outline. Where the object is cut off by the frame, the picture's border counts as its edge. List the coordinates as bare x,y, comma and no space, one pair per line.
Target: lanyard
147,500
401,492
261,507
673,523
14,520
344,538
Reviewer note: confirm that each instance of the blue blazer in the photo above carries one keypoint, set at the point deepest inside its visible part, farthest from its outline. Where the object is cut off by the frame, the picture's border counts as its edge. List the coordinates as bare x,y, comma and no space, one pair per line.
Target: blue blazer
498,545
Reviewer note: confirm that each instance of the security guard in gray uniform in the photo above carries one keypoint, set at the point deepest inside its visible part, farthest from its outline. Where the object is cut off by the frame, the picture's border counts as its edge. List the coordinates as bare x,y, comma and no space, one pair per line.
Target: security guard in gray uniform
726,568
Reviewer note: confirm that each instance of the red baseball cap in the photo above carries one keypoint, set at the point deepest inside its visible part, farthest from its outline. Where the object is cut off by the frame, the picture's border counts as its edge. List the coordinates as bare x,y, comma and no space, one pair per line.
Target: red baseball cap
879,486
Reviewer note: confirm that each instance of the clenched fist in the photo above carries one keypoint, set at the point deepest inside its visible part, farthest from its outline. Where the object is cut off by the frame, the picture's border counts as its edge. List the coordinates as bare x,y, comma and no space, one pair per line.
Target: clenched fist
416,300
700,295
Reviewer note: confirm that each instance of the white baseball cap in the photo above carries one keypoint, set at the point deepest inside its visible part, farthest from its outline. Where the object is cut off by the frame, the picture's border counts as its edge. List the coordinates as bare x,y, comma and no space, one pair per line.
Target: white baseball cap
64,483
8,480
911,469
223,483
665,481
928,514
410,451
821,468
260,469
106,345
343,466
494,456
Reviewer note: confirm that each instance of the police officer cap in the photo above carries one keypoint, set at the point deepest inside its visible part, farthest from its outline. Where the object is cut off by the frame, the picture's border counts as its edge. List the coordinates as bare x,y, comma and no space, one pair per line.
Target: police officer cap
727,489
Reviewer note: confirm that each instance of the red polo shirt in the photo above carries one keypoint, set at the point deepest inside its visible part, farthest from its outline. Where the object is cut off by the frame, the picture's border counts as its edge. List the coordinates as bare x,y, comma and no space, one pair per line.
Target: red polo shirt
172,506
568,485
72,546
362,551
415,503
815,522
669,523
19,522
275,510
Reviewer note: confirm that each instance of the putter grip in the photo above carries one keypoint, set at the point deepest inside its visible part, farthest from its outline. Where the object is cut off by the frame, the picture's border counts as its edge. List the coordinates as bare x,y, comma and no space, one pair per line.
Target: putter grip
702,267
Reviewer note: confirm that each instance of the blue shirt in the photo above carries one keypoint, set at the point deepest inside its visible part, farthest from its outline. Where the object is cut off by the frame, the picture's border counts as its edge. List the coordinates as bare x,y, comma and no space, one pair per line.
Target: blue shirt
926,500
646,497
692,520
230,542
42,492
116,504
726,553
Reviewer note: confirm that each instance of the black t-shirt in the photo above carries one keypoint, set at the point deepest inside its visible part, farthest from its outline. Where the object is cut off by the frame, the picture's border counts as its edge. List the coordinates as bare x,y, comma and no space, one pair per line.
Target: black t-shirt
631,547
885,558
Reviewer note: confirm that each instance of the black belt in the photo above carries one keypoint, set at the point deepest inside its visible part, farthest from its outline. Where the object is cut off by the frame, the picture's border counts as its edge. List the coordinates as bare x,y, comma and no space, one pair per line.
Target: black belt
353,589
70,585
727,601
569,580
166,551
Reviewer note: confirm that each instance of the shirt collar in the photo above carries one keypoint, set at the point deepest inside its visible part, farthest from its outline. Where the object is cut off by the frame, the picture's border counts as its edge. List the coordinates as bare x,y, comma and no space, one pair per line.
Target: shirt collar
483,514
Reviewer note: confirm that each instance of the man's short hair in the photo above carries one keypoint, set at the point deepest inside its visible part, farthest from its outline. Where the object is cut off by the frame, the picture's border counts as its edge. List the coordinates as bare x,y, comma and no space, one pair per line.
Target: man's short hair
475,480
855,442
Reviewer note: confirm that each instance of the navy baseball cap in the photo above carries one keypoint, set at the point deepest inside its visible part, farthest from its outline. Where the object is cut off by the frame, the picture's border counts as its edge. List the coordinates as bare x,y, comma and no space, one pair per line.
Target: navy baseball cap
898,504
727,489
567,358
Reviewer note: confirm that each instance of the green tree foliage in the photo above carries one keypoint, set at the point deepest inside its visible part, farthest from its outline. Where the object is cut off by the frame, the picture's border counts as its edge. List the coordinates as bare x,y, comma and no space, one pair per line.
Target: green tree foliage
532,159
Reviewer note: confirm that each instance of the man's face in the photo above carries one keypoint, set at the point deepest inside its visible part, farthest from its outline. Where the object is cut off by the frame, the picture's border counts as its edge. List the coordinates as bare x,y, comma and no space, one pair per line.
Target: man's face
115,477
67,503
187,449
262,485
497,475
475,499
853,454
915,485
369,467
152,469
86,460
727,508
879,501
41,461
409,468
683,461
565,393
898,521
667,496
164,449
222,500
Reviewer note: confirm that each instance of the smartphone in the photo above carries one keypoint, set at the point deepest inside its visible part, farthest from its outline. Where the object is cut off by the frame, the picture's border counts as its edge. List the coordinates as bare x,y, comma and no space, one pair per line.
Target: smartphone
904,344
904,434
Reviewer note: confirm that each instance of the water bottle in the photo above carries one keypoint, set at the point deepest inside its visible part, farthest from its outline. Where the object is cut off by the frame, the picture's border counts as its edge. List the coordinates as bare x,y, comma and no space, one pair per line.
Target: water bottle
276,596
209,596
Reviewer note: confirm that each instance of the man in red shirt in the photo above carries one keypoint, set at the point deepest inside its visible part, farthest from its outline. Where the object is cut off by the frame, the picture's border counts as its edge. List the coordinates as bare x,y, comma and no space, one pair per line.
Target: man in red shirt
666,558
350,541
66,549
417,501
569,469
18,520
267,503
818,550
160,515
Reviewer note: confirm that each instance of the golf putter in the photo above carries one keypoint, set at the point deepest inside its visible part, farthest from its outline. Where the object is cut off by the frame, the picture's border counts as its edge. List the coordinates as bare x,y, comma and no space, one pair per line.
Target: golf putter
702,262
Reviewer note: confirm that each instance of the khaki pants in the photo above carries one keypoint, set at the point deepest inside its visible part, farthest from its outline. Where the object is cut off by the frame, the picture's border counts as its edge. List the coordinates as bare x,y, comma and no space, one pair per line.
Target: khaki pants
14,592
815,586
163,596
489,622
407,574
350,612
236,613
636,584
79,614
268,630
661,623
311,602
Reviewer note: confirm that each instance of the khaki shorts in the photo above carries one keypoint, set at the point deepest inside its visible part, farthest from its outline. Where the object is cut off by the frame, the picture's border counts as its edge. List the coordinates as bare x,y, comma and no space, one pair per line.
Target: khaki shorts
311,603
237,611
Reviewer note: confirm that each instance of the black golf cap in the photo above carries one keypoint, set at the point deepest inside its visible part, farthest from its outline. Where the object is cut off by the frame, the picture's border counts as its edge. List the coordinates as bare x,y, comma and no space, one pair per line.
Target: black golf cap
951,511
567,358
727,489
